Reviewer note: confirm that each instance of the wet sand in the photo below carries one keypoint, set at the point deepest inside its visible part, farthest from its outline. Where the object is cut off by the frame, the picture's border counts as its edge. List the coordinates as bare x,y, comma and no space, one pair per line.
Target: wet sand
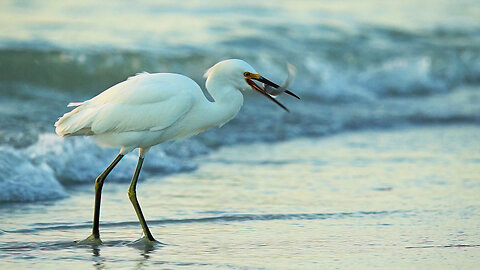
403,198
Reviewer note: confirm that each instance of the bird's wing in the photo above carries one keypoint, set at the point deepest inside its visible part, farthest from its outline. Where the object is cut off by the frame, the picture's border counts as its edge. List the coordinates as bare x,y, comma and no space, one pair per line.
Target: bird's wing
146,102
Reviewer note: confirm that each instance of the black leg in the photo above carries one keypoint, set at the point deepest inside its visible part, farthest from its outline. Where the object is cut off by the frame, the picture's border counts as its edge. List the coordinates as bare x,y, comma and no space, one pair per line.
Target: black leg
94,238
98,194
132,194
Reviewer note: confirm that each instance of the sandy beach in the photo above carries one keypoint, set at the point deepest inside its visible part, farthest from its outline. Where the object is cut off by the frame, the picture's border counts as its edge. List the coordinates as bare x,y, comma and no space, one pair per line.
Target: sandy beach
371,199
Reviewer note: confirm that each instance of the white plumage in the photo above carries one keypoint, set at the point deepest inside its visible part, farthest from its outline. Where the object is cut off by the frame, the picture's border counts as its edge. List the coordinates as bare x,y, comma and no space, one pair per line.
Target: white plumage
148,109
146,102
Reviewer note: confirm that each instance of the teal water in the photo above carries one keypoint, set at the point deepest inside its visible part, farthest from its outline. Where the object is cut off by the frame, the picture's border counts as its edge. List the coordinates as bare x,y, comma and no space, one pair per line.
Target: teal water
405,198
375,167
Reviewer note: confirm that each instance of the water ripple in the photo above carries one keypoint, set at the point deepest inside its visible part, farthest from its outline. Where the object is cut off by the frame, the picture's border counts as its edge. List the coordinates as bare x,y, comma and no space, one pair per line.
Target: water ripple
220,219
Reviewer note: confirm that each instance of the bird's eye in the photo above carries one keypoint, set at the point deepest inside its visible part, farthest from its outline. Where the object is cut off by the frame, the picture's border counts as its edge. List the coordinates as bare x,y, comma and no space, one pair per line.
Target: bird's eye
247,74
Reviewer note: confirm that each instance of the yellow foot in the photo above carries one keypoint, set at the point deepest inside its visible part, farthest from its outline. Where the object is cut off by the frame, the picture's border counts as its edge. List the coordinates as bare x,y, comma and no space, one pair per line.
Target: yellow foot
90,241
146,243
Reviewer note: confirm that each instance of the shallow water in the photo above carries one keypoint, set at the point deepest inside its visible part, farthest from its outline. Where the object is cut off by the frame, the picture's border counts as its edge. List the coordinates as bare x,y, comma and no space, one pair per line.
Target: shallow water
386,174
374,64
404,198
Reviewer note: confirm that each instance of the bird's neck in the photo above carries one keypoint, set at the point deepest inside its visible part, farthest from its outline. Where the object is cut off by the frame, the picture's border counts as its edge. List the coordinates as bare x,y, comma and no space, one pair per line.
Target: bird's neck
227,101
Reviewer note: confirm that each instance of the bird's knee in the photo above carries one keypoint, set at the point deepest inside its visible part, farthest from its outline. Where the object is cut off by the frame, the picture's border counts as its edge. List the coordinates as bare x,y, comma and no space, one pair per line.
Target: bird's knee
98,183
132,194
100,179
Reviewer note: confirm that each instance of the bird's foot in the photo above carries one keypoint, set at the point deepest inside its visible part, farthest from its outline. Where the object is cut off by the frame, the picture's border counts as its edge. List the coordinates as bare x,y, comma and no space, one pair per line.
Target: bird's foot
144,242
90,241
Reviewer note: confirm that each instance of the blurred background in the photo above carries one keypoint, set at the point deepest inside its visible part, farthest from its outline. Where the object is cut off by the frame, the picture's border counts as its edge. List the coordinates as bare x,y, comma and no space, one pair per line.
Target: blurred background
373,64
362,66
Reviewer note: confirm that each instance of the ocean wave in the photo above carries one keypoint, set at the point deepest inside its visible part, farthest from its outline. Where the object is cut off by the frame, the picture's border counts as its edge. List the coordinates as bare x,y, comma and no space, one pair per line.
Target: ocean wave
370,62
348,79
23,181
40,171
403,77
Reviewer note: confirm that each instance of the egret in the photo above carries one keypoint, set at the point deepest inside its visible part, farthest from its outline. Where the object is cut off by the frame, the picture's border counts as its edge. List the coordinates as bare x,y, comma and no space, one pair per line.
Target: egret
149,109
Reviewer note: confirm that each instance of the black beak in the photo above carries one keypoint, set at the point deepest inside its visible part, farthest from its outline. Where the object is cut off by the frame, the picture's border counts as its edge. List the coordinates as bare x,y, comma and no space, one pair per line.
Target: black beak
263,92
266,81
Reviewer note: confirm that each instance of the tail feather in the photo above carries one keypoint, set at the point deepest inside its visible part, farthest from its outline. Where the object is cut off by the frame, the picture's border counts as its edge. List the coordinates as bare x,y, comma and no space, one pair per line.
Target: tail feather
74,104
75,123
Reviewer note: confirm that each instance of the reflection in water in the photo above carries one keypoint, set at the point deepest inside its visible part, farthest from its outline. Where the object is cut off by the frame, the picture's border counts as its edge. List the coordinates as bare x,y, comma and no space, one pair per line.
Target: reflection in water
144,256
402,197
145,251
98,261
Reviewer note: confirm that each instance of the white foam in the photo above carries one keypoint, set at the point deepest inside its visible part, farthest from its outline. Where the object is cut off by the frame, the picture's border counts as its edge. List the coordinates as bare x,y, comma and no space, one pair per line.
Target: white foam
40,171
80,159
402,76
23,181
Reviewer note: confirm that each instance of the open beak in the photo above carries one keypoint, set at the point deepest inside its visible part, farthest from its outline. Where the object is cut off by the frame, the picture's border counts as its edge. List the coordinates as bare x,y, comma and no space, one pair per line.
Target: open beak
268,82
259,78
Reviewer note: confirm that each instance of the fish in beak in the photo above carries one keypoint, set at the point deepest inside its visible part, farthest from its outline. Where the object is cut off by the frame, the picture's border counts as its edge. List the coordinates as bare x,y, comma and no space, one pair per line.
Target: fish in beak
283,88
271,89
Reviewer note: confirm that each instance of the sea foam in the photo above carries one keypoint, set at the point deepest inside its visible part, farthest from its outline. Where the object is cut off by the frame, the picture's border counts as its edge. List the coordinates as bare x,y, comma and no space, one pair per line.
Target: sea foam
23,181
41,171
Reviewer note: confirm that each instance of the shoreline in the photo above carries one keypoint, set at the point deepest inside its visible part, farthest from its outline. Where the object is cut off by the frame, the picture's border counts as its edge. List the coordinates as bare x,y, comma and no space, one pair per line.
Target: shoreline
402,198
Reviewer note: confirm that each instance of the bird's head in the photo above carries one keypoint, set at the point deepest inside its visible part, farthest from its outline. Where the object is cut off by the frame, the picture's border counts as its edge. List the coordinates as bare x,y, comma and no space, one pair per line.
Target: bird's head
242,76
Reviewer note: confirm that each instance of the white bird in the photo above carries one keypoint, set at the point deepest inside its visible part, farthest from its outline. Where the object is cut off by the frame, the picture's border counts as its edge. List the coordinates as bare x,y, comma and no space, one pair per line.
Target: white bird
149,109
